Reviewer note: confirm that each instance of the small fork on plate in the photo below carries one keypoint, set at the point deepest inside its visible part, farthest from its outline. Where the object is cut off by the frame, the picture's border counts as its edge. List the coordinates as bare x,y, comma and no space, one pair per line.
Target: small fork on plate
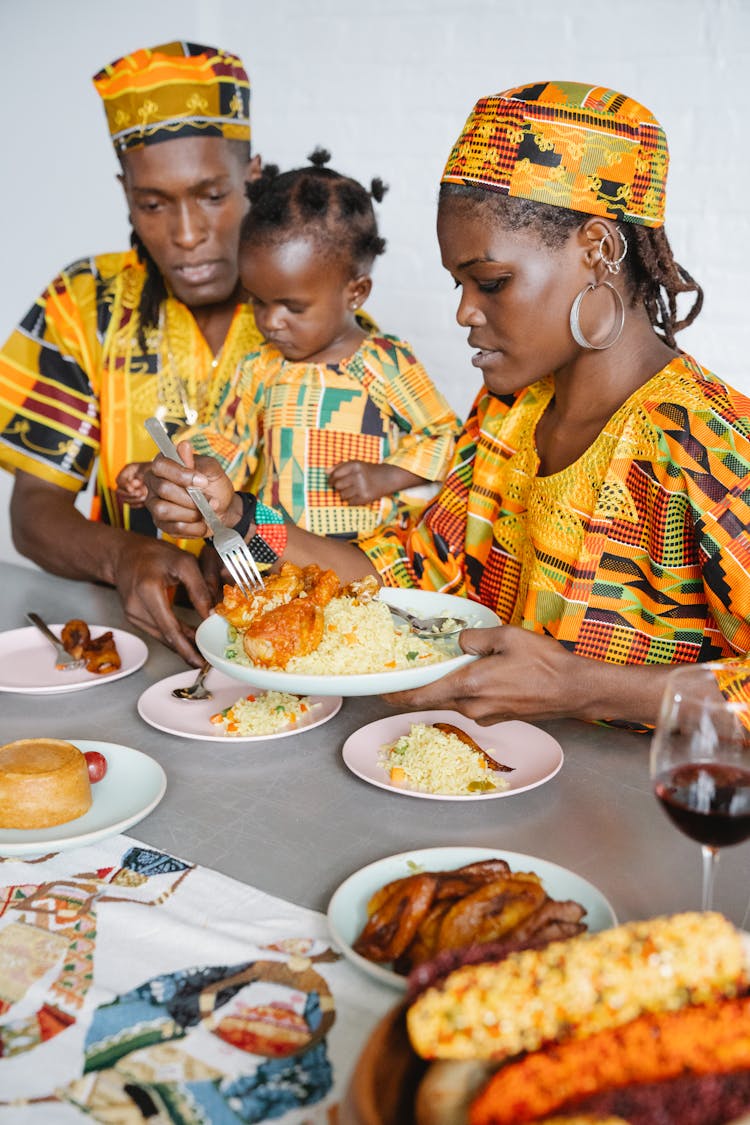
63,660
231,547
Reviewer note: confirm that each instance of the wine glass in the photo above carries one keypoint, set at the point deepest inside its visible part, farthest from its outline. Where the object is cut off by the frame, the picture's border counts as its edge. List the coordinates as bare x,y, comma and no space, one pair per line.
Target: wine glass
700,758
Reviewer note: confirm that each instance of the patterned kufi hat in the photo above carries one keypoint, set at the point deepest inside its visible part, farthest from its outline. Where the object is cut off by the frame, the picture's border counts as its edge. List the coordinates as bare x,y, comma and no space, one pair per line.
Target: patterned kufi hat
175,90
568,145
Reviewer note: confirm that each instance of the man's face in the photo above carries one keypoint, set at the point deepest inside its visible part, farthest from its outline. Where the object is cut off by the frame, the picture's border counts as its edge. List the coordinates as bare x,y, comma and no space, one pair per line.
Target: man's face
187,201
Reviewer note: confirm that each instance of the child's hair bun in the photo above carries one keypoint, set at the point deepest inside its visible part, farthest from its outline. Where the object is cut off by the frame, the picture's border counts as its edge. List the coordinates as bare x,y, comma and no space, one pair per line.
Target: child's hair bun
258,187
319,157
378,189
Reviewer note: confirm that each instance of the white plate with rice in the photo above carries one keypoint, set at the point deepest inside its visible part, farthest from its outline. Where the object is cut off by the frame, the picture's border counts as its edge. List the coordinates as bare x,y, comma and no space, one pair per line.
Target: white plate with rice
258,719
333,668
347,910
534,755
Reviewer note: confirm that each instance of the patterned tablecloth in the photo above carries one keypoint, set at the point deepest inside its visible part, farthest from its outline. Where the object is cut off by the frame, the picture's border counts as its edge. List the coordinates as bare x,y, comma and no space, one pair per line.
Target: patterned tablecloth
136,987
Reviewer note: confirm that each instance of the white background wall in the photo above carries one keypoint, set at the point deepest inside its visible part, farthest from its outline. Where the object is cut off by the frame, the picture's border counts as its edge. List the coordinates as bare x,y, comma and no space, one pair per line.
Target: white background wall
385,85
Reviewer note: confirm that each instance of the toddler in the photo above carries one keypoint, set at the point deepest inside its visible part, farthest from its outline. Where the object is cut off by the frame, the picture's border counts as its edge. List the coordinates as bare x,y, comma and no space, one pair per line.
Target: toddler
331,421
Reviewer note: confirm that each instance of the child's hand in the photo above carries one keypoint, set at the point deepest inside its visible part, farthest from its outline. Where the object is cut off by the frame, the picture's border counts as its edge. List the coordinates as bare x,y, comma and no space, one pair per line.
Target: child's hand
361,482
131,484
169,503
357,482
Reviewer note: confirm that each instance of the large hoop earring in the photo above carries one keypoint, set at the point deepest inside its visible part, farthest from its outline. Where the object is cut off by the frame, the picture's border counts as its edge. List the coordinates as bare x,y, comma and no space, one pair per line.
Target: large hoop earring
613,264
575,323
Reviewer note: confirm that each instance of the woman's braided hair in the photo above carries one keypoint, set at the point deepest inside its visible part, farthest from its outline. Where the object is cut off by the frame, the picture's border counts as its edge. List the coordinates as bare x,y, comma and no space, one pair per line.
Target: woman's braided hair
655,278
333,209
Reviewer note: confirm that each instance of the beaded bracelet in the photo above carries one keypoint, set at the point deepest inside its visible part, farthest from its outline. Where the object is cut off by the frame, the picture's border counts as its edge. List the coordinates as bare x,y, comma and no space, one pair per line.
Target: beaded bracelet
269,541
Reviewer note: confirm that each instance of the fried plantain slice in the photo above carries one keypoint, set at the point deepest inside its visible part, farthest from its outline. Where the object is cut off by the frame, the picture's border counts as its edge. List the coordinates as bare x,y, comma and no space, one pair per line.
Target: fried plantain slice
462,736
465,880
75,636
424,945
491,912
101,654
390,929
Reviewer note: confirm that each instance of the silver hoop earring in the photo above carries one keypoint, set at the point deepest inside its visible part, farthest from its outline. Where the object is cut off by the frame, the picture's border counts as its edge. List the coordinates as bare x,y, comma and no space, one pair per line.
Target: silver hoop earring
575,323
613,264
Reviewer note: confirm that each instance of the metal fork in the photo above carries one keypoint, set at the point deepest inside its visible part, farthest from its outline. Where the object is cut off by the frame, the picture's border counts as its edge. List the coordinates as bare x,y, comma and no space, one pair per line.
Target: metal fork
231,547
64,662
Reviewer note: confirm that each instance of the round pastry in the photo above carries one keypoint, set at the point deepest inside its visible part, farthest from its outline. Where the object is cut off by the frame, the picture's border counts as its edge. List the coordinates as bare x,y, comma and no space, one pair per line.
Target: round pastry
43,782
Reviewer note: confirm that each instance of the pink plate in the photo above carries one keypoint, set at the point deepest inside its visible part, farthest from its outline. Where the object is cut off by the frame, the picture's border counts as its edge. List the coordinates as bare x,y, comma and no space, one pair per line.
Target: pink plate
535,755
191,718
27,661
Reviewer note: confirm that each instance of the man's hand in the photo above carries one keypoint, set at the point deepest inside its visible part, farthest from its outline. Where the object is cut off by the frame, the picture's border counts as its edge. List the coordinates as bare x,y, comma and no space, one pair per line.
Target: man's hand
147,574
49,529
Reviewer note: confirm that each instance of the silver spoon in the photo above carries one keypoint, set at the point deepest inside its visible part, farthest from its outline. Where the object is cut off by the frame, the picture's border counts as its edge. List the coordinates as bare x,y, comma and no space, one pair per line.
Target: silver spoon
430,626
196,690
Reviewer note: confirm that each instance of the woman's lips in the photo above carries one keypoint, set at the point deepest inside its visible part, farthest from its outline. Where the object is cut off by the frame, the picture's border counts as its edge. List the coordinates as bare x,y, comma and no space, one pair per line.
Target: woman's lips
483,357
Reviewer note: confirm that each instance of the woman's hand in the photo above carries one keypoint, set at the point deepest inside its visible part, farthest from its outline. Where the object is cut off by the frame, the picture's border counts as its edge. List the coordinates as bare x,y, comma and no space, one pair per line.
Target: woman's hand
521,675
168,501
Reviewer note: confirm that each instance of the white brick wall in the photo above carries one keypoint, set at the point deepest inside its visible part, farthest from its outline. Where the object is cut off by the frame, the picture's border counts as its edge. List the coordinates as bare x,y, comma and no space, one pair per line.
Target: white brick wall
386,86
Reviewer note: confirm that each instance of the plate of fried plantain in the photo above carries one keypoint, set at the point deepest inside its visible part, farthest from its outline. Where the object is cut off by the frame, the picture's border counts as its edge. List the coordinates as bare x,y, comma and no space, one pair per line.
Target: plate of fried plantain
403,911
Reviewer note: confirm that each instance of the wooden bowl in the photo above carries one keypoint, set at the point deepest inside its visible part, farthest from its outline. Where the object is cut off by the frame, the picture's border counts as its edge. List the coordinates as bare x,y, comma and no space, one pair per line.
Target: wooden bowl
384,1083
385,1079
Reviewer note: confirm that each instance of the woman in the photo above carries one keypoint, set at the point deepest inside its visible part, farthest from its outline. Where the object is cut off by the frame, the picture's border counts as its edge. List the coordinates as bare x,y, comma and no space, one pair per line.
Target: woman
599,495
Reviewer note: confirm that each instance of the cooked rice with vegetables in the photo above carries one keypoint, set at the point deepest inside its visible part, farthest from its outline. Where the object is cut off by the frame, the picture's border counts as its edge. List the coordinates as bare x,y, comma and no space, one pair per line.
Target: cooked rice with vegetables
265,713
363,638
431,761
358,637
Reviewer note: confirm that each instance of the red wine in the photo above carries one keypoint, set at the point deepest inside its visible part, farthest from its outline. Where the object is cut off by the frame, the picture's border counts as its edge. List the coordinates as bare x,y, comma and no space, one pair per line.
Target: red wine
708,802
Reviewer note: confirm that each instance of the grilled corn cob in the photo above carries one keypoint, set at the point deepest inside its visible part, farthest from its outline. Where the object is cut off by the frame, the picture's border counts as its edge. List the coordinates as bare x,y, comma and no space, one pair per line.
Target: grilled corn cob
573,988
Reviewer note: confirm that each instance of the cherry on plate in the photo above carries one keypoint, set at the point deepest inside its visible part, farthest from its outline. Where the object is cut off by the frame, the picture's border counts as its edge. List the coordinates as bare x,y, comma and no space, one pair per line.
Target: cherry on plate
97,765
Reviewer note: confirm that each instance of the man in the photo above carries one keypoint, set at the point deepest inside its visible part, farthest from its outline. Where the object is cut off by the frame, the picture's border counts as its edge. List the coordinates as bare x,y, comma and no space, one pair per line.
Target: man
119,337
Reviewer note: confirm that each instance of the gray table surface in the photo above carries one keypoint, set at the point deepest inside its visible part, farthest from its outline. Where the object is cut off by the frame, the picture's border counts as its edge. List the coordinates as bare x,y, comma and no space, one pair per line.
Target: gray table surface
288,817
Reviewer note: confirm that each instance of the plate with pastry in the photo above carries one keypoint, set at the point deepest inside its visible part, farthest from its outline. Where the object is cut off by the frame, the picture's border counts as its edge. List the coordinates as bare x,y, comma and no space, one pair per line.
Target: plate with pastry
232,714
404,911
28,661
57,794
443,756
307,633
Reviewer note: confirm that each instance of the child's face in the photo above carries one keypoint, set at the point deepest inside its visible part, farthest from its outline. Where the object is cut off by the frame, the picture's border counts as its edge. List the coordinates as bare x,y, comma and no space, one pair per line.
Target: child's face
304,300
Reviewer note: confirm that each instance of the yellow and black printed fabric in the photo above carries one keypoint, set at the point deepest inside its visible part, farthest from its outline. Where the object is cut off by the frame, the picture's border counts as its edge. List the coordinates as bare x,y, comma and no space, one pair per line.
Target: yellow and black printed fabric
637,553
568,145
174,90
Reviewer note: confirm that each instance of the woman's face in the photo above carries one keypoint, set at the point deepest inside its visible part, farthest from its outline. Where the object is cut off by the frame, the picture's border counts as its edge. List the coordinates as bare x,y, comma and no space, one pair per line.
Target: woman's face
516,293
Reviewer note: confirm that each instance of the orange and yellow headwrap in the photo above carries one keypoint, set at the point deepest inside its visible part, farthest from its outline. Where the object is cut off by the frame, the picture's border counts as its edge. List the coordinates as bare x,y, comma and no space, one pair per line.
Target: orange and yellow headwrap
175,90
568,145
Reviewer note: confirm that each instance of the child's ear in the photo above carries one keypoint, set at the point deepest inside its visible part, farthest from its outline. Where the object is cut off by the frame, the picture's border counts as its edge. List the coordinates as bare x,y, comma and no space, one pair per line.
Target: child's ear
358,290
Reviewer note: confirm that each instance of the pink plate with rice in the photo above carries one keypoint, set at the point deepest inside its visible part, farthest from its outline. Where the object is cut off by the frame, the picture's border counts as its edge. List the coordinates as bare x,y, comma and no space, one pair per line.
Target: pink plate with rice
534,755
